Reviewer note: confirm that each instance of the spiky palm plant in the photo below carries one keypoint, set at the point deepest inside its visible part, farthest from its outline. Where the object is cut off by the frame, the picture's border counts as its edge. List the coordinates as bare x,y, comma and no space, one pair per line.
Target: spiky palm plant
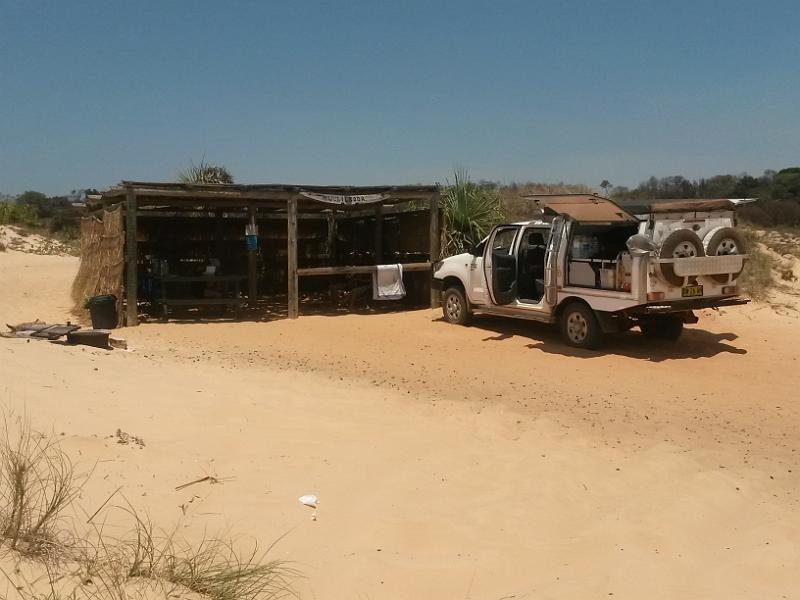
469,211
205,173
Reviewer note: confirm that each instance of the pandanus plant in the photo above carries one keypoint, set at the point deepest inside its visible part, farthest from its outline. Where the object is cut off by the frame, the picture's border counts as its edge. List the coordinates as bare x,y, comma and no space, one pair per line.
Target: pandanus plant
205,173
469,211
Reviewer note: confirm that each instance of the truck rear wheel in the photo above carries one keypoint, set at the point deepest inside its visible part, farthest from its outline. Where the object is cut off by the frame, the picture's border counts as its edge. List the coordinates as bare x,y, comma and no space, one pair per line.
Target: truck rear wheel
579,326
662,327
455,306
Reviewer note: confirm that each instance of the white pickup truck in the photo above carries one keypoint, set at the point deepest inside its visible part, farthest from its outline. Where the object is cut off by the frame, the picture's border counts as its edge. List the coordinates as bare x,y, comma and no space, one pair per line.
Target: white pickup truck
594,268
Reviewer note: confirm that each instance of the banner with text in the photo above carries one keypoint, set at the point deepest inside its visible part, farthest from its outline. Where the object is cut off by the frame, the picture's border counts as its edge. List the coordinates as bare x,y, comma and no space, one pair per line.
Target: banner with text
346,200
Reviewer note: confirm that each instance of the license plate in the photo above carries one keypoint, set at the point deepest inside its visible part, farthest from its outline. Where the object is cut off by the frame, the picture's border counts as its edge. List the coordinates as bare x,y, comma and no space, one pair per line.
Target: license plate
690,291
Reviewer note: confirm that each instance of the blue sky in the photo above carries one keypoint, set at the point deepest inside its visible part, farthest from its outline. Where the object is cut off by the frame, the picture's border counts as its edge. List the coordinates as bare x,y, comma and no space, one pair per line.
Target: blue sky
395,92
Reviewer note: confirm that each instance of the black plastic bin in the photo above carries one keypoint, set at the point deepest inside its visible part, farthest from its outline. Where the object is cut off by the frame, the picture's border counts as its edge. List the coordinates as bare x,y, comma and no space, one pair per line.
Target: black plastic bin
104,311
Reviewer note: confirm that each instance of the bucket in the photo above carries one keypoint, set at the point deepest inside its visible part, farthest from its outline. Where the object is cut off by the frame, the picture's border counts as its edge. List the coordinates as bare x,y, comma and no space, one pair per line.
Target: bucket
252,242
608,279
103,310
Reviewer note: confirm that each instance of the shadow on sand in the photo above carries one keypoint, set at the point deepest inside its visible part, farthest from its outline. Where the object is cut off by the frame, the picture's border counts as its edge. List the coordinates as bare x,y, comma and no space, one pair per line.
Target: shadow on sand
272,308
694,343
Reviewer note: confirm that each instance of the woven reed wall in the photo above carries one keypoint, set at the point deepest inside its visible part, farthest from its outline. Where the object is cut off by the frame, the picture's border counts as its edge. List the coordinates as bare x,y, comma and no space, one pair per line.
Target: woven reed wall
102,261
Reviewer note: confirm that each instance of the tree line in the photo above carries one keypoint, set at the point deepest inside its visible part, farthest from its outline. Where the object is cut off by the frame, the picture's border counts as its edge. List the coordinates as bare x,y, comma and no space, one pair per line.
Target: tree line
778,193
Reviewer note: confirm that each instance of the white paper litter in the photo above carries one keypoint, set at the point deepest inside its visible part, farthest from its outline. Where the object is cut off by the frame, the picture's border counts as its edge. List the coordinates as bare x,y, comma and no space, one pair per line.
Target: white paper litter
309,500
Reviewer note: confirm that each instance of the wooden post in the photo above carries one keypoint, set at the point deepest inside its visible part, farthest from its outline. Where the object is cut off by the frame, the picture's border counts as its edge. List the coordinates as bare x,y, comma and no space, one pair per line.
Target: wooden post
219,234
252,264
294,300
378,234
131,258
331,249
434,240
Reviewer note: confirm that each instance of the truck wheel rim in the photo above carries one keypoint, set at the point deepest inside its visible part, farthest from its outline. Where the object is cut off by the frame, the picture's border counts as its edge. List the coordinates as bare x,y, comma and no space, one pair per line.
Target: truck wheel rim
727,247
684,250
453,307
577,327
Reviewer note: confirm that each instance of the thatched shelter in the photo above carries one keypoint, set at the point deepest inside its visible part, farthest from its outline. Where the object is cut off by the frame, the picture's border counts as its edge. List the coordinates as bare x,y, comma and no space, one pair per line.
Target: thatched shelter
269,239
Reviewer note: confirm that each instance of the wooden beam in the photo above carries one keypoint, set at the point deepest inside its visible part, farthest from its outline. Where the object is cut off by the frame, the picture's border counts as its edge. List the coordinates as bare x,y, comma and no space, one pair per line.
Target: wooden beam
378,234
231,197
208,214
131,259
252,264
291,221
209,203
358,270
434,240
241,198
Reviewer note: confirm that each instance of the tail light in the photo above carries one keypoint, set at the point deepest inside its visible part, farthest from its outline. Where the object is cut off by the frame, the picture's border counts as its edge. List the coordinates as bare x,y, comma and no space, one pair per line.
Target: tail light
655,296
730,289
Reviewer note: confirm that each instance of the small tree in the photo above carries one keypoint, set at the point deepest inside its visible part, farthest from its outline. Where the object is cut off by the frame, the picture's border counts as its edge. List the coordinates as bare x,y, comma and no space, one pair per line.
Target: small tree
605,185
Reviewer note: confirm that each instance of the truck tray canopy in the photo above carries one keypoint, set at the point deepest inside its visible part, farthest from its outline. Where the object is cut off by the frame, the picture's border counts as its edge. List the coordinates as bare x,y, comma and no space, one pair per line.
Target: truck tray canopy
586,208
698,204
684,205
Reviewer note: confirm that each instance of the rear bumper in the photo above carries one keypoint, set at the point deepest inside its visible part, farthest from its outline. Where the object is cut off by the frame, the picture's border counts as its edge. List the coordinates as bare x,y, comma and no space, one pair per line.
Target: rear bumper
683,305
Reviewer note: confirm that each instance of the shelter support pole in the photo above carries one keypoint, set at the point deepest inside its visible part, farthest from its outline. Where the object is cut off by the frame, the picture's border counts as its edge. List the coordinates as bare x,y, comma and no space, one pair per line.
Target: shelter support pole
331,248
131,255
219,234
378,234
252,264
434,239
294,300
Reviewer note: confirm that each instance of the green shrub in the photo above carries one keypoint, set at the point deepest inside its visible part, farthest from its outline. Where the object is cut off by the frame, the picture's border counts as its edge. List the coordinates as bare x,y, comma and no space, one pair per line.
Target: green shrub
12,213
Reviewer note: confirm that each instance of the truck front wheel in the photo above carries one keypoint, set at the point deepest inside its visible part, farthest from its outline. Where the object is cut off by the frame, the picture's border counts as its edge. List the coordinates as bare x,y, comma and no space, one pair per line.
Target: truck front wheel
662,327
455,307
579,326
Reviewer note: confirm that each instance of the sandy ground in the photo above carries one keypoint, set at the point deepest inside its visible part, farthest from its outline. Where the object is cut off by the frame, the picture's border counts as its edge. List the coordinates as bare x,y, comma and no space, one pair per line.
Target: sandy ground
483,462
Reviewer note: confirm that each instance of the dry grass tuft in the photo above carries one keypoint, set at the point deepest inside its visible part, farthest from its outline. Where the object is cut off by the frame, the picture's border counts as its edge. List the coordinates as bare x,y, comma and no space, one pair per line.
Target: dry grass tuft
757,279
215,569
37,483
153,559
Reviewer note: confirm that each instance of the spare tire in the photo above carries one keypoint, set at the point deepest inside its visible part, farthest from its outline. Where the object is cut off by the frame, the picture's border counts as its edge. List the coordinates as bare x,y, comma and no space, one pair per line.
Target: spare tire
724,241
681,243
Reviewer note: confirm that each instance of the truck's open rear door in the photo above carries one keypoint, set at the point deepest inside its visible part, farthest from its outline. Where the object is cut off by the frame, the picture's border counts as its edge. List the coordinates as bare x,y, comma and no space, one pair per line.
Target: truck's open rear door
585,208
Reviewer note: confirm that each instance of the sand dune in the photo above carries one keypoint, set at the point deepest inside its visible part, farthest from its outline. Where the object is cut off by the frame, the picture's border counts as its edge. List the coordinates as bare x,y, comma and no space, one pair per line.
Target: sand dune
484,462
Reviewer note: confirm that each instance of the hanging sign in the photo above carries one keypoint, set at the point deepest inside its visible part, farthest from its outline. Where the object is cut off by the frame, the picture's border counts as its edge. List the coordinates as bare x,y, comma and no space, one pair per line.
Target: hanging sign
346,200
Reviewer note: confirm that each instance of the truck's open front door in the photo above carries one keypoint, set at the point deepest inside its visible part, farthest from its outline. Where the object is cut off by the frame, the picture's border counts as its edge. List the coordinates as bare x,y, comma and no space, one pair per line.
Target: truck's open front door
551,261
500,264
